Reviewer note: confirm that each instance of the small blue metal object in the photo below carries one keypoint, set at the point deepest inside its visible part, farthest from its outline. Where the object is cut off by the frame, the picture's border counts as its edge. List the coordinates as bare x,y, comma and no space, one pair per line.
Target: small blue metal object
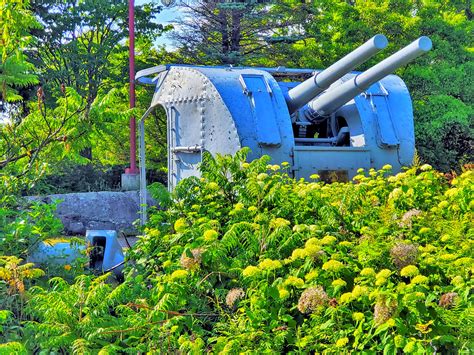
106,253
332,123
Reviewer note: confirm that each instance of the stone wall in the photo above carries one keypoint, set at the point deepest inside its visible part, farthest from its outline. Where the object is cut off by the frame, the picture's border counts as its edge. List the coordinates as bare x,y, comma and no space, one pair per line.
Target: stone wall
97,210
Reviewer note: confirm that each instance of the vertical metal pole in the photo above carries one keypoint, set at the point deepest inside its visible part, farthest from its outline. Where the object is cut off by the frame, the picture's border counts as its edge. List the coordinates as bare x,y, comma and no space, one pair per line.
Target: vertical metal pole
143,191
133,134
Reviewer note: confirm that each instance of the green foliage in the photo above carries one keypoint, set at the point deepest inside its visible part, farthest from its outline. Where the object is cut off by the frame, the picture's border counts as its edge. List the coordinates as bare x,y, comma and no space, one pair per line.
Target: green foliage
247,259
87,316
80,51
44,132
79,37
24,225
13,348
15,278
289,265
15,71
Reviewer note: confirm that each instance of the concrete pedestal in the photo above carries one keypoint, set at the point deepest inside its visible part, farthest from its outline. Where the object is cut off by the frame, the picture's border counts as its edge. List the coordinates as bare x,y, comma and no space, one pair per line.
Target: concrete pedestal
130,182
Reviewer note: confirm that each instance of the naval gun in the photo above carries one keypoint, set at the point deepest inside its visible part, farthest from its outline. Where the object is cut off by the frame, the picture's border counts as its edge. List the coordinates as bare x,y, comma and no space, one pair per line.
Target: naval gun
328,122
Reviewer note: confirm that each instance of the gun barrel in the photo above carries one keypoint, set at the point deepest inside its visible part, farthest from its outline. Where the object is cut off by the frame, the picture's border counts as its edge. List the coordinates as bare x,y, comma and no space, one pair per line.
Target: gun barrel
310,88
330,101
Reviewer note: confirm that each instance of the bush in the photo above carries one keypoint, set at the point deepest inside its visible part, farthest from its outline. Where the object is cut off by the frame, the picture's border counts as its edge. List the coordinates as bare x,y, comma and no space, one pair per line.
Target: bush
380,264
246,259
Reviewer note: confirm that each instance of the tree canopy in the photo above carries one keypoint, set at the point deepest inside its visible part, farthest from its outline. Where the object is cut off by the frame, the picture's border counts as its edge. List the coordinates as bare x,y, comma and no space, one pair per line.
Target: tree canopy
72,56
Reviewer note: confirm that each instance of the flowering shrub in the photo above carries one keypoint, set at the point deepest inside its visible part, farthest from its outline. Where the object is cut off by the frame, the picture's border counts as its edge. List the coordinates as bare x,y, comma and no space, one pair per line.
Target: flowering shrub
247,259
380,264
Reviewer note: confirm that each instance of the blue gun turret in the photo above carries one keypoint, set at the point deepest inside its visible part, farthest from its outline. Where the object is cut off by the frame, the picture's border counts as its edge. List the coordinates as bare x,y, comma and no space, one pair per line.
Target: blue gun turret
312,87
330,122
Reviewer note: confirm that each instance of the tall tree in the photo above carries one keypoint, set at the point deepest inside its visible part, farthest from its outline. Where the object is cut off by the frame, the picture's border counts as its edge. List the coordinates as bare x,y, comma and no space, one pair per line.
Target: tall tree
226,32
79,37
26,134
78,41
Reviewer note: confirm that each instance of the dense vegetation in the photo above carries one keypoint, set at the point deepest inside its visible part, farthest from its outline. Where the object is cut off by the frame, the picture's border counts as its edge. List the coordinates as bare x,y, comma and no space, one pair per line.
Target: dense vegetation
247,259
64,79
244,259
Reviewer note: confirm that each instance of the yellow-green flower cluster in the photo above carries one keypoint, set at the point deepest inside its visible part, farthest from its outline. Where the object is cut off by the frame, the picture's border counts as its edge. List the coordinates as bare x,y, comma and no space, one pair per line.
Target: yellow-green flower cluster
251,271
294,281
367,272
382,277
298,254
399,341
279,223
273,167
333,266
328,240
152,232
424,230
342,342
213,186
300,228
180,225
283,292
210,235
339,283
409,271
313,251
311,275
346,297
447,257
360,291
312,242
202,220
457,281
179,274
358,316
345,243
239,206
269,264
443,204
419,280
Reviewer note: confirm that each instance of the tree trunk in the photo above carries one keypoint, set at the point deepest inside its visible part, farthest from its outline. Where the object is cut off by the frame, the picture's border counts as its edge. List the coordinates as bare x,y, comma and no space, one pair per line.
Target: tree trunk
236,31
225,35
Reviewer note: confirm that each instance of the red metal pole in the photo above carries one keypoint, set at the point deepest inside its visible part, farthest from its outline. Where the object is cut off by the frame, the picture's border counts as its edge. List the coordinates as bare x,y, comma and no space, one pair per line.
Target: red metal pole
133,143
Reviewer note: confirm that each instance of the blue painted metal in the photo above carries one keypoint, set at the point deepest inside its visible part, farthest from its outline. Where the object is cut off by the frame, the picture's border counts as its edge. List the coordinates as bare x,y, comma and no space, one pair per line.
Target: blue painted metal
56,251
107,252
361,120
300,95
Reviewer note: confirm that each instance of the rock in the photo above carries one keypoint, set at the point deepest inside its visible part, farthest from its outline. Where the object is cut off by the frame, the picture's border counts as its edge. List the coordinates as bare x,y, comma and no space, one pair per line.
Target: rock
76,228
96,210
